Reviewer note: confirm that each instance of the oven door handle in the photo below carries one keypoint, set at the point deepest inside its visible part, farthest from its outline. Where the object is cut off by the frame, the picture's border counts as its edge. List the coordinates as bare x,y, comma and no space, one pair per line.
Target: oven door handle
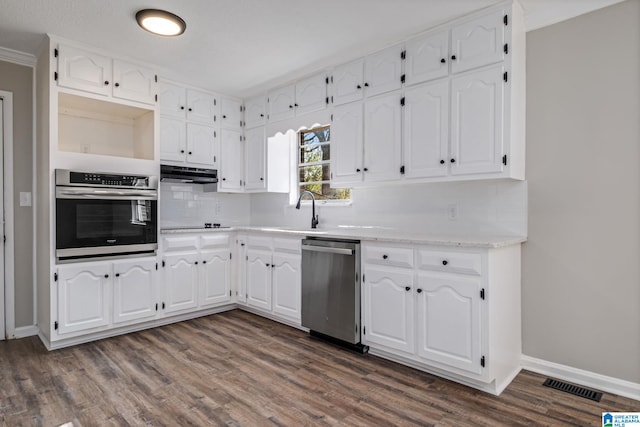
104,194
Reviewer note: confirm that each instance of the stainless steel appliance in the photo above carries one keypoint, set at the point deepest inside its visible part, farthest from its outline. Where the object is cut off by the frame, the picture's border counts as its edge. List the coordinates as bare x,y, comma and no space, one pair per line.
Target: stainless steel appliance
188,175
331,289
102,214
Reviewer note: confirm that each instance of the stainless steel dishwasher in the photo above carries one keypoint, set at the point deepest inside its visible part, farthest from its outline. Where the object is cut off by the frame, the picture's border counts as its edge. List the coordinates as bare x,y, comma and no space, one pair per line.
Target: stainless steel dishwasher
331,289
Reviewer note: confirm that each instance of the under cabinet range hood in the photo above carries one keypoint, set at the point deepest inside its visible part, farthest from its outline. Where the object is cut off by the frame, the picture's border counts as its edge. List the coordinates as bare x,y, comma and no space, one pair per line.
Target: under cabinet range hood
189,175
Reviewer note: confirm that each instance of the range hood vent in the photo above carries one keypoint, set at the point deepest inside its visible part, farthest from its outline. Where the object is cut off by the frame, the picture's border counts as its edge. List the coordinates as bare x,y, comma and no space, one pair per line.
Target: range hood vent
188,175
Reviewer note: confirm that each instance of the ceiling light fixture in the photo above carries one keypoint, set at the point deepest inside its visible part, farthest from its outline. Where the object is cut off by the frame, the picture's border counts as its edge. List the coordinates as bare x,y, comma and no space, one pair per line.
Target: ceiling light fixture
160,22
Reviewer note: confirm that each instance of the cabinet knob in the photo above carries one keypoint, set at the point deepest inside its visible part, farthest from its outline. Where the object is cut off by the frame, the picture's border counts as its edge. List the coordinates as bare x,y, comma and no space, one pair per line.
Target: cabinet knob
358,87
296,105
261,179
453,57
106,82
443,60
196,263
366,169
190,153
290,106
385,256
224,116
117,84
190,109
224,179
366,85
268,265
106,276
261,115
117,274
182,107
453,160
407,288
182,151
357,170
442,162
273,266
204,262
419,290
445,262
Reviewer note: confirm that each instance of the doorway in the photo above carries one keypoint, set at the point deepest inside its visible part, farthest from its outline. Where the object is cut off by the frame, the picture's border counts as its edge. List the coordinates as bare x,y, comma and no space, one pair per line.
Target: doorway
6,217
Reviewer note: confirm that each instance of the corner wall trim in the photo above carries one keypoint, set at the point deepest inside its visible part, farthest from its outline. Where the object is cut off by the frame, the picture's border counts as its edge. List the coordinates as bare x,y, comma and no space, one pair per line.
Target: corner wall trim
26,331
17,57
582,377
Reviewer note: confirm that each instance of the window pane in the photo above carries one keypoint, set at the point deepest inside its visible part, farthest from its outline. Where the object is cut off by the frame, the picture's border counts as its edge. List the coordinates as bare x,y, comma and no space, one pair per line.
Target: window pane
314,173
325,192
314,153
315,136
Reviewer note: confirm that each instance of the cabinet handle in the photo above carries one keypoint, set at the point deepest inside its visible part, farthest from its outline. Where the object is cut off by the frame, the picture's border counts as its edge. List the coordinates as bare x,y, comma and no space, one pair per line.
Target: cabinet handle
366,85
117,84
106,82
385,256
117,274
419,290
453,160
442,162
106,276
443,60
357,170
453,57
445,262
407,288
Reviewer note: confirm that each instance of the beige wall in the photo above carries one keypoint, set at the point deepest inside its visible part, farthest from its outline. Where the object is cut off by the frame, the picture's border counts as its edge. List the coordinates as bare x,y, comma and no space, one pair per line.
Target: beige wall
18,79
581,277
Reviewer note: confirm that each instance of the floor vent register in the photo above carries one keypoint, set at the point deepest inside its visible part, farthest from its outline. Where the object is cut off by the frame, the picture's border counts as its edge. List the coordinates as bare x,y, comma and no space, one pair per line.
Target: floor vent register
573,389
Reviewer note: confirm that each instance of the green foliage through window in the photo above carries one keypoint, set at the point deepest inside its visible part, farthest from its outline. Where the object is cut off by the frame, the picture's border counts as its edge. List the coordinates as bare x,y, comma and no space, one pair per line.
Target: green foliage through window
314,169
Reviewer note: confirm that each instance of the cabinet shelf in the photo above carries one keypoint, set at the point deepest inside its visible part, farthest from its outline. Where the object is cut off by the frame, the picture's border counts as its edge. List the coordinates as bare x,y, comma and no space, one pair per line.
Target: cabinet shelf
87,125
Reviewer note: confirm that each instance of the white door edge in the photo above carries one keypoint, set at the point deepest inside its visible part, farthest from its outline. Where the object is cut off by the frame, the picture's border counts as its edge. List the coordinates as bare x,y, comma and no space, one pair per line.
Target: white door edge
7,296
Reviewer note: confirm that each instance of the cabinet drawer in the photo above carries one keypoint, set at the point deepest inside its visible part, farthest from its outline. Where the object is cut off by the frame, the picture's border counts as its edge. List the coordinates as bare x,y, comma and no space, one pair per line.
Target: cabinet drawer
214,240
179,243
255,242
287,245
396,257
450,262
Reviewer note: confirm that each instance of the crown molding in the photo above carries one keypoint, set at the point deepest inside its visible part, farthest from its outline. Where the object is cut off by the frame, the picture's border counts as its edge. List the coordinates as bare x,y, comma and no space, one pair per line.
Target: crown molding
16,57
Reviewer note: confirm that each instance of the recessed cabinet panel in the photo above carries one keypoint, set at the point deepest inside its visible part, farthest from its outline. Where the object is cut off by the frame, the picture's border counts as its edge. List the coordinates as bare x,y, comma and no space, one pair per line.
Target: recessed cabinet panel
83,296
215,277
449,262
427,57
202,145
133,82
181,282
346,144
449,322
255,112
172,139
282,103
426,130
476,122
230,113
382,135
311,94
255,151
286,285
388,308
383,71
172,100
478,42
201,107
259,279
348,82
83,70
231,161
134,290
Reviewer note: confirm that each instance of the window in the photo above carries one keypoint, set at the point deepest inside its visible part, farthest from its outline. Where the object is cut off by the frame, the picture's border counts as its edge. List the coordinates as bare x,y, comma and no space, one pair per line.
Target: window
314,169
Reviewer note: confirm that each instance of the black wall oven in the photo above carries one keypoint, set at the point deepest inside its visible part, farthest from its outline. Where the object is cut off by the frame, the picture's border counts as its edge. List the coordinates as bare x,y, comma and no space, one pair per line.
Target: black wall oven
104,214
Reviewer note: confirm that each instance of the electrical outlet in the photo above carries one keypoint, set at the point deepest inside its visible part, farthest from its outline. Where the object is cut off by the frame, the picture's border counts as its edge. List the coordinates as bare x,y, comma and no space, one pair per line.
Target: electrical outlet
452,212
85,148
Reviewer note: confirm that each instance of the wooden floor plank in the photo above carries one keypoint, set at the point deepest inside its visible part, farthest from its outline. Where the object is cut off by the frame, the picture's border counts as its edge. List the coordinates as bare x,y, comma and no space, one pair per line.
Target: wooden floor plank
238,369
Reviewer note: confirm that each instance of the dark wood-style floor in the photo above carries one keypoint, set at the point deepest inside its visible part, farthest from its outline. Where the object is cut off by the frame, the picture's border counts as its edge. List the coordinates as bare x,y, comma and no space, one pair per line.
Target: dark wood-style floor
238,369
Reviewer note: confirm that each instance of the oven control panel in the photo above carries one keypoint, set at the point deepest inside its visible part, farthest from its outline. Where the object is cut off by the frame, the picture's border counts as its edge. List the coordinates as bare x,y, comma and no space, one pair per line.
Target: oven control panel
97,179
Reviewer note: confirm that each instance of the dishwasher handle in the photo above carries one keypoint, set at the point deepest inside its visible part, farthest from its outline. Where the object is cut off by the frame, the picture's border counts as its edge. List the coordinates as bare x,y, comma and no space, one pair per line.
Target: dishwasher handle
340,251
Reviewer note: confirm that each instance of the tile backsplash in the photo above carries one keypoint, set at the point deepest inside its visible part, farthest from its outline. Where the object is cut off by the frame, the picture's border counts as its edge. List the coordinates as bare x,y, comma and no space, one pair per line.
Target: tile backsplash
187,205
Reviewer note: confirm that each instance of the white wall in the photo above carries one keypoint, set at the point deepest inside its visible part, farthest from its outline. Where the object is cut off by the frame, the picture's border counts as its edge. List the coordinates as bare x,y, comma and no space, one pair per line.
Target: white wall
581,275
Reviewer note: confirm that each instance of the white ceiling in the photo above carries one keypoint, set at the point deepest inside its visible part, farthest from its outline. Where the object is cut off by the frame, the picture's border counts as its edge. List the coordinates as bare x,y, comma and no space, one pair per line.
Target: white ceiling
237,47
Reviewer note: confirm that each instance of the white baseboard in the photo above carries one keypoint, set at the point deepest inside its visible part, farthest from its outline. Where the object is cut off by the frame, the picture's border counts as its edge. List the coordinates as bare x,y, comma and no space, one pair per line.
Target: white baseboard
581,377
25,331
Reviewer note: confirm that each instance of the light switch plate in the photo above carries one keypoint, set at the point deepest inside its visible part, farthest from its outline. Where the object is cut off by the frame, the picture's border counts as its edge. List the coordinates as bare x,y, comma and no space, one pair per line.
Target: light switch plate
25,198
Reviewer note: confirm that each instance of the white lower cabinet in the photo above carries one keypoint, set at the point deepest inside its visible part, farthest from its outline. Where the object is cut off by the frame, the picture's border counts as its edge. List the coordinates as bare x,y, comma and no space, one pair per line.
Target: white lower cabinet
180,280
452,311
95,296
273,276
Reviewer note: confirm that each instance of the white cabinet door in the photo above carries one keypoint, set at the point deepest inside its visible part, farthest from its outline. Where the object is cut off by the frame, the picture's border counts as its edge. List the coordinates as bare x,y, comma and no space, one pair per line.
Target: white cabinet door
348,81
172,99
449,321
84,294
476,122
202,145
427,57
426,130
134,290
201,107
180,282
133,82
311,94
478,42
215,277
287,285
388,308
230,113
259,279
382,135
255,111
231,161
383,71
173,143
282,103
347,144
255,156
83,70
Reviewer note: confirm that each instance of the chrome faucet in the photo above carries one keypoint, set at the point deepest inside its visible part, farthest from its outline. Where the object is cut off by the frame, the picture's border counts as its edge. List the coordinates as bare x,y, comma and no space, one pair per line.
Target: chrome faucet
314,217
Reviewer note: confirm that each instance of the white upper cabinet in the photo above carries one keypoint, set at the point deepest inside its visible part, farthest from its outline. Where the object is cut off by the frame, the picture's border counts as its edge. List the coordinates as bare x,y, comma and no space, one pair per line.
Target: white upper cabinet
478,42
382,138
426,130
255,111
348,80
311,94
477,122
90,72
347,143
383,71
202,145
172,99
255,159
427,57
231,171
187,104
173,139
282,103
230,113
